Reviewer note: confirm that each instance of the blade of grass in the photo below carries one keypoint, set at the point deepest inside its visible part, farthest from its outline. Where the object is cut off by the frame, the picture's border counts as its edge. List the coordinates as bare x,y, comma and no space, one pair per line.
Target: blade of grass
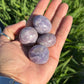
65,63
3,5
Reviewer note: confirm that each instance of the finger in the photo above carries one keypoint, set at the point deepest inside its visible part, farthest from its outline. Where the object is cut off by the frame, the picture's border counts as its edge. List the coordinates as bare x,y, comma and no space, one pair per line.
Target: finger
41,7
61,36
61,12
63,31
52,9
13,30
39,10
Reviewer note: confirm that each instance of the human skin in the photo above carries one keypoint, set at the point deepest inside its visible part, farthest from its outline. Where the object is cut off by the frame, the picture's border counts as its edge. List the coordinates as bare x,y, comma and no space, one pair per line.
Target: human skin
13,61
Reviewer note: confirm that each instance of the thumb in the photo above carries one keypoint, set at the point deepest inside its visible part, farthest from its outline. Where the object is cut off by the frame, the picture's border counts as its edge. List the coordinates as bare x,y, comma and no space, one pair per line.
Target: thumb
14,29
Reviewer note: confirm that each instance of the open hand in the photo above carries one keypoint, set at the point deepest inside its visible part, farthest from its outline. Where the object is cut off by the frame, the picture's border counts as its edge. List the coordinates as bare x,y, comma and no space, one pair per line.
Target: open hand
13,61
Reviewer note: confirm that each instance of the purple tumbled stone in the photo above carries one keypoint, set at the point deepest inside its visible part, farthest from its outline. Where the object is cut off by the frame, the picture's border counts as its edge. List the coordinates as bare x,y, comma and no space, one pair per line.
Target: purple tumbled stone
42,24
28,35
39,54
47,40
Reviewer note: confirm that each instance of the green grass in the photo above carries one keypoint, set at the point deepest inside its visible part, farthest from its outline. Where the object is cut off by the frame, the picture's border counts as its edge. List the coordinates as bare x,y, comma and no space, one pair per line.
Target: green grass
71,66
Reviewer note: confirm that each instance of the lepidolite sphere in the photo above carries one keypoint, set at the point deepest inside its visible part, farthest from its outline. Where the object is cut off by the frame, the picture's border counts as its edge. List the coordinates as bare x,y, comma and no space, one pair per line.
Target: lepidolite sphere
47,40
42,24
39,54
28,35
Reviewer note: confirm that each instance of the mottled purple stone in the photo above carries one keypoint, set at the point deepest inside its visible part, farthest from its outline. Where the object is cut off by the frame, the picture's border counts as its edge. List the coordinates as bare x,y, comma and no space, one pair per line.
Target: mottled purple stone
28,35
42,24
39,54
47,40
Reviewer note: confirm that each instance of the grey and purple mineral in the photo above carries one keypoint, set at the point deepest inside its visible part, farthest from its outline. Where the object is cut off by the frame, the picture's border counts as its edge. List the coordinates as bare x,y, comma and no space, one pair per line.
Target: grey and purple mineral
39,54
47,40
28,35
42,24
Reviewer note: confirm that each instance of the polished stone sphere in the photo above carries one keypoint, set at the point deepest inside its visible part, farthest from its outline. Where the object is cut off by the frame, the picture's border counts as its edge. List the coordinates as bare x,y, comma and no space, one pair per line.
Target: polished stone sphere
39,54
28,35
42,24
47,40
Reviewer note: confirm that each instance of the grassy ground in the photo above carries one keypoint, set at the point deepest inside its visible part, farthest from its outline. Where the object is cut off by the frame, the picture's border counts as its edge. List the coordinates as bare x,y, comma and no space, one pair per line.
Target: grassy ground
71,66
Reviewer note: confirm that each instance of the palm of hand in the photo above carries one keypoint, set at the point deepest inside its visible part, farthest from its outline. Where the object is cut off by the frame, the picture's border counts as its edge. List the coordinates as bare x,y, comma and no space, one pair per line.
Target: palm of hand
20,68
17,65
